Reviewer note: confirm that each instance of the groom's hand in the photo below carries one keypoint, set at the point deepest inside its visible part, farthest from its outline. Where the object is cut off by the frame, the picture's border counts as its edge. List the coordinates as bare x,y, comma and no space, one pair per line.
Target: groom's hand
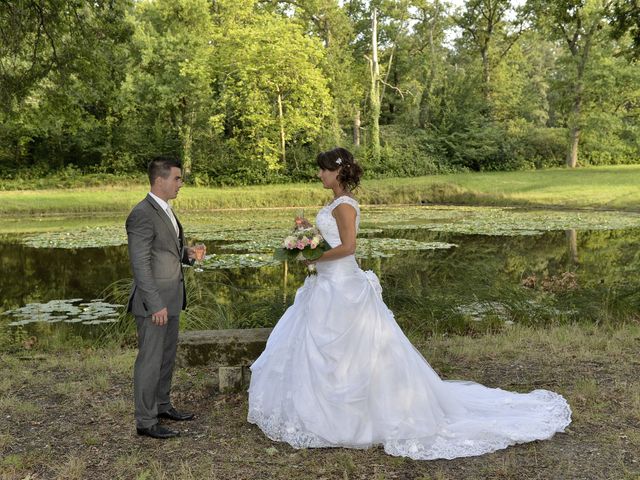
160,318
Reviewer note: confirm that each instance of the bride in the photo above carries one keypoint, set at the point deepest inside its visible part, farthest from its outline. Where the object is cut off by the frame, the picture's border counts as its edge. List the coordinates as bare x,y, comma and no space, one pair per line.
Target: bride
337,370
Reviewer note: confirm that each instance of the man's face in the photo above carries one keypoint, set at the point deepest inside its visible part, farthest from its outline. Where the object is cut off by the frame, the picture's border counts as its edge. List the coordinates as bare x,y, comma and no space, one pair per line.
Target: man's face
169,187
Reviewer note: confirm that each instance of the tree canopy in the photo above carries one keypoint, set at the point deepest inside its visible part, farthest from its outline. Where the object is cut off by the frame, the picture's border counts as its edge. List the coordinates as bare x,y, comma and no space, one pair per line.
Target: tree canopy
248,91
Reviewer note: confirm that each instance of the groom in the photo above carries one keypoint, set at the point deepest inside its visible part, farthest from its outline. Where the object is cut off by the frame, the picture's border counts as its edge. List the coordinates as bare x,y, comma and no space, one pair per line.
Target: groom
156,253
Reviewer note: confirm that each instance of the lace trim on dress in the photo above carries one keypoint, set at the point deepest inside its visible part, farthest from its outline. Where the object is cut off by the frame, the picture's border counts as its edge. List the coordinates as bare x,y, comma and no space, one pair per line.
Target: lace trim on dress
555,416
285,430
554,409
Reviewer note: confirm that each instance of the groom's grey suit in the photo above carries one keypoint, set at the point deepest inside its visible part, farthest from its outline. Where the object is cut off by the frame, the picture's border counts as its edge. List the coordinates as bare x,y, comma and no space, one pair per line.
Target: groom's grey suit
156,253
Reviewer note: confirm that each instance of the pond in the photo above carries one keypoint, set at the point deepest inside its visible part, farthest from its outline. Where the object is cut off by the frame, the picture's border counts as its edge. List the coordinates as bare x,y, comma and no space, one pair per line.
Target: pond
443,269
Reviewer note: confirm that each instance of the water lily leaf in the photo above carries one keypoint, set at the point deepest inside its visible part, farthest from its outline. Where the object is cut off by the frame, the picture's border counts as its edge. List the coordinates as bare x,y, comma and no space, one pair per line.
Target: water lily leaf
68,311
237,260
385,247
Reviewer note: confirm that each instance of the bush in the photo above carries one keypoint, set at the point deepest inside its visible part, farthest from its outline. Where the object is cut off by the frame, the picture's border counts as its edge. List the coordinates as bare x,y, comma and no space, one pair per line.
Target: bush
610,145
404,153
68,177
531,146
517,145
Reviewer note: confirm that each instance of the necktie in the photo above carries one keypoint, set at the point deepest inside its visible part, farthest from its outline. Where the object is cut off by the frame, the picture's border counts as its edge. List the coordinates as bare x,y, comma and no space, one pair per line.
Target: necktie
173,219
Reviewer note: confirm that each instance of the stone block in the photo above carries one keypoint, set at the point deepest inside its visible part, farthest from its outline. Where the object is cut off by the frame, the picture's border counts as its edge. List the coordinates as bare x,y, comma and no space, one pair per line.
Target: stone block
230,379
221,348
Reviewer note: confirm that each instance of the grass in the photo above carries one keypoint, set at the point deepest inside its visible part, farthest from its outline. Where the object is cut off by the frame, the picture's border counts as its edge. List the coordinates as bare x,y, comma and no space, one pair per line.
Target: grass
595,187
91,434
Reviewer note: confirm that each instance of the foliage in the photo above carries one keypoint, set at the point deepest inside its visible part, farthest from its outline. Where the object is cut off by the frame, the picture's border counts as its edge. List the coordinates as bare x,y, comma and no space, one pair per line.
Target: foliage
247,92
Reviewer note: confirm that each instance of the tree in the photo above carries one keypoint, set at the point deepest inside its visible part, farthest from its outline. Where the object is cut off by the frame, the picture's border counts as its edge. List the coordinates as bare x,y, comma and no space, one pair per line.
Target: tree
374,91
171,81
427,45
328,22
270,91
485,27
625,21
578,23
61,66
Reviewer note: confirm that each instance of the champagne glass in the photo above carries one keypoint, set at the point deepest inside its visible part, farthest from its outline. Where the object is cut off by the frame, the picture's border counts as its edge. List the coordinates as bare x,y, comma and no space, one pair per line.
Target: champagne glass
200,250
299,222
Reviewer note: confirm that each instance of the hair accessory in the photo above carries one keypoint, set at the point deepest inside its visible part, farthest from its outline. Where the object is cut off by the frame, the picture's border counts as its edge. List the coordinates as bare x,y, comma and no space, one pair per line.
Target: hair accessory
338,161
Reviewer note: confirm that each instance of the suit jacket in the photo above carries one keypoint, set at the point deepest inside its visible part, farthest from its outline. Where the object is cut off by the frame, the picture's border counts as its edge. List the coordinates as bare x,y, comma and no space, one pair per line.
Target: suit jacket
156,255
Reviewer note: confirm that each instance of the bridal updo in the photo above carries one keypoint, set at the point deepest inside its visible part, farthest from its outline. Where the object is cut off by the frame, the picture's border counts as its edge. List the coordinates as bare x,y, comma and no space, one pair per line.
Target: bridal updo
341,158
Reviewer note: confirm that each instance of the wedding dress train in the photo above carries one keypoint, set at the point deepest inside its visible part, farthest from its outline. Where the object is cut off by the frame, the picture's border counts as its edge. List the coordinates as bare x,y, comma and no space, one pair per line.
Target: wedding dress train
338,371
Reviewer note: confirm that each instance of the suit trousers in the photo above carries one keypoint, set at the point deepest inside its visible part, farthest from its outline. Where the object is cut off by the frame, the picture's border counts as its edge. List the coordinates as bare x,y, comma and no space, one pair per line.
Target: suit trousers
153,370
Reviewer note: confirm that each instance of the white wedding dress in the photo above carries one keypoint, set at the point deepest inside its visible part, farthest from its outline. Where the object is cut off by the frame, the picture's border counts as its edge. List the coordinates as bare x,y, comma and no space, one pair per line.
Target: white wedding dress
337,371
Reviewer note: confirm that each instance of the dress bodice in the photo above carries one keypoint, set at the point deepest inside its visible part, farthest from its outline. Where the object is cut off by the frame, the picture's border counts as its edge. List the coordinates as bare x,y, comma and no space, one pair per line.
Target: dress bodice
326,223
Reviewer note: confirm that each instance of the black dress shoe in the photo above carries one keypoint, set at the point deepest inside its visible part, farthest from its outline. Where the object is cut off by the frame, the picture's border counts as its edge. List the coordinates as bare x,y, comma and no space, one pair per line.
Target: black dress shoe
173,414
157,431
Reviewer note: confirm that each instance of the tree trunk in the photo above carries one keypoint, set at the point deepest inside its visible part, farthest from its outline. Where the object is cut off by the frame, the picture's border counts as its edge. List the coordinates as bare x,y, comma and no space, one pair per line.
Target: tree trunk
356,128
424,113
186,149
486,74
283,156
581,55
574,141
185,120
572,243
375,89
575,119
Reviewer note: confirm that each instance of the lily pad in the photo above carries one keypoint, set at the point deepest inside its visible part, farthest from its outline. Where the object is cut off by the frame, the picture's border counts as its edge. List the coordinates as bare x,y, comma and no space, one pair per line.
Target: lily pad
68,311
267,226
498,221
90,237
237,260
386,247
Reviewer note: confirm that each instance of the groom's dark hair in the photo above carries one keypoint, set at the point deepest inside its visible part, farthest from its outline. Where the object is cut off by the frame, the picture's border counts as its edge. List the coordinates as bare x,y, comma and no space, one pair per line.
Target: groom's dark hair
161,165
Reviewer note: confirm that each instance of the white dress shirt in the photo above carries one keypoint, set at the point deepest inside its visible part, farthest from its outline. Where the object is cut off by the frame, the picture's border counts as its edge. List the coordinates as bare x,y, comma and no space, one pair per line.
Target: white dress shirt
167,209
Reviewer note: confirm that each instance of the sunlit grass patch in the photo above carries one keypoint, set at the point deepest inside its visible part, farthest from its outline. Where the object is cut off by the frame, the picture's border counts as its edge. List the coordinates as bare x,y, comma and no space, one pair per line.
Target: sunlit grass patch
13,460
75,389
91,439
100,382
5,385
5,440
18,406
113,362
611,186
436,476
73,468
131,464
586,391
119,407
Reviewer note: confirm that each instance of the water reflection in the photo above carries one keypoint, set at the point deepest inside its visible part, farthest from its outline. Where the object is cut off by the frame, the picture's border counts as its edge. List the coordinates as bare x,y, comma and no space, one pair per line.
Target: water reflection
38,275
530,279
572,241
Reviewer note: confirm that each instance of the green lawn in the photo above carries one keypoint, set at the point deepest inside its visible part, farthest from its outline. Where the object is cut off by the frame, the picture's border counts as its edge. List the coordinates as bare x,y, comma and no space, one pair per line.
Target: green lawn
611,187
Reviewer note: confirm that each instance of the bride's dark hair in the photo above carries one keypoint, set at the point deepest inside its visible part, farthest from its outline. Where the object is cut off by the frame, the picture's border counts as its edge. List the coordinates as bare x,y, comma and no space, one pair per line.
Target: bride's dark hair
341,158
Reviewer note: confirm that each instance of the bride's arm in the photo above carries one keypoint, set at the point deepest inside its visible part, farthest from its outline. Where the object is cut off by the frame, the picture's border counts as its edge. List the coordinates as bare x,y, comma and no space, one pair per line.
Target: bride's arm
345,216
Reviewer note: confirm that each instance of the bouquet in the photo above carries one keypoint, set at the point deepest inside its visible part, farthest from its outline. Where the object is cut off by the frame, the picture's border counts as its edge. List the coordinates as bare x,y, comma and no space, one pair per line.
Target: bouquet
304,243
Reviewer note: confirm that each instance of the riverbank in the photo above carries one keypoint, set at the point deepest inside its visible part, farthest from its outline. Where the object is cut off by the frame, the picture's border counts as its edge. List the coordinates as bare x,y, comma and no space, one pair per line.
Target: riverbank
67,414
613,187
